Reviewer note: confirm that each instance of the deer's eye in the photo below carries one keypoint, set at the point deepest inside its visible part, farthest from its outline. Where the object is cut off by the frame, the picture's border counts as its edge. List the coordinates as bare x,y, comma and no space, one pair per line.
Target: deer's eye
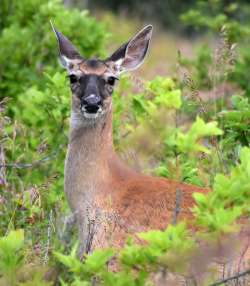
111,80
73,78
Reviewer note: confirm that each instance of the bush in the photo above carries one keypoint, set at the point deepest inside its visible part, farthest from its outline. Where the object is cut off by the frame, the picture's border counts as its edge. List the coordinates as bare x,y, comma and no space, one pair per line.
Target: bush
221,72
168,251
37,96
27,43
200,142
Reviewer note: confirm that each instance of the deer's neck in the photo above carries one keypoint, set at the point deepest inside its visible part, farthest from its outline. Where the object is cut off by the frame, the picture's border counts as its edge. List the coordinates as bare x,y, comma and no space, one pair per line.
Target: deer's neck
91,145
87,164
87,169
92,167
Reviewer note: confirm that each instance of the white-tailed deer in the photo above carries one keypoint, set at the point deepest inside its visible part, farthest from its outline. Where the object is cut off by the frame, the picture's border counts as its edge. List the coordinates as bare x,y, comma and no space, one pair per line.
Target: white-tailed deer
109,199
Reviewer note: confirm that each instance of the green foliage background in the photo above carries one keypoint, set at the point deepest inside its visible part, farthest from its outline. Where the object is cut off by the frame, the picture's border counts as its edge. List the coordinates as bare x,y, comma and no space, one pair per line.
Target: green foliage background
203,143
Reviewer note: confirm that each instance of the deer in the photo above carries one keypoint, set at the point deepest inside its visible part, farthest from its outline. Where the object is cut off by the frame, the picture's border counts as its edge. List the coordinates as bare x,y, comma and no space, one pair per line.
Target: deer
109,198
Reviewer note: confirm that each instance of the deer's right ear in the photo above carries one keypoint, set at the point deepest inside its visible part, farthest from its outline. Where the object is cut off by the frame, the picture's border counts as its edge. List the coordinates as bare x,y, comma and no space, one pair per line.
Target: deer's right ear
67,52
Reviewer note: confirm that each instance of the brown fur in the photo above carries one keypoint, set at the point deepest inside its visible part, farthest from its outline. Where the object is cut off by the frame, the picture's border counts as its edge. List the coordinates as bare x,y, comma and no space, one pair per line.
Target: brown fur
87,68
110,200
114,199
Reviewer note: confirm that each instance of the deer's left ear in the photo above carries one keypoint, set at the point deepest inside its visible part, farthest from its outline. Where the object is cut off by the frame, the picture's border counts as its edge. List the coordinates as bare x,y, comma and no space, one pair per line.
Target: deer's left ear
131,54
68,53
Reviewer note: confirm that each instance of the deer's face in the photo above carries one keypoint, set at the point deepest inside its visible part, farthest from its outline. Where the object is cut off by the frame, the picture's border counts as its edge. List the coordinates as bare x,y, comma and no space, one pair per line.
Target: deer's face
92,80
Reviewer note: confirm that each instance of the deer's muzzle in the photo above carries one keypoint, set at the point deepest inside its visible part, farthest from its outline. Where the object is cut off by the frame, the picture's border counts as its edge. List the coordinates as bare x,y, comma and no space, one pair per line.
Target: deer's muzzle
91,103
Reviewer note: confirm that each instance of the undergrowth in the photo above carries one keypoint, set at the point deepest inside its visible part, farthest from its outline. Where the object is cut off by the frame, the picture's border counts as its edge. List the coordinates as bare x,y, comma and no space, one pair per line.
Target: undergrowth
200,119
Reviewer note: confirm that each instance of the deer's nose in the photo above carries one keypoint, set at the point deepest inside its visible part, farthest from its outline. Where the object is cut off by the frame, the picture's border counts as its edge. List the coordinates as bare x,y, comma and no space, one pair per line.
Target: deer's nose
91,103
92,99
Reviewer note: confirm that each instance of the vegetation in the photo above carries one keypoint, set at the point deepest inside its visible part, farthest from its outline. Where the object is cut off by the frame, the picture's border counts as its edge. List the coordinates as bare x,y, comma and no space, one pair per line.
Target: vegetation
202,139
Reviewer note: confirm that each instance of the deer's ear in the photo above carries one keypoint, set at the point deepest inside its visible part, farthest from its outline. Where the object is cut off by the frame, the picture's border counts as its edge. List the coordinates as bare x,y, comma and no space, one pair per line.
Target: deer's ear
67,51
131,54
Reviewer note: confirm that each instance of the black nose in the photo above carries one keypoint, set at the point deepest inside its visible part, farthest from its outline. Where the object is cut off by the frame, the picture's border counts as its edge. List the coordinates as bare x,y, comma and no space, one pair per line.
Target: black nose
91,103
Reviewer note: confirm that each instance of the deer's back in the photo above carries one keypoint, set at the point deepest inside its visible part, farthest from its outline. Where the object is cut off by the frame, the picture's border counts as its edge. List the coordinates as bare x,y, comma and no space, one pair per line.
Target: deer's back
141,203
154,202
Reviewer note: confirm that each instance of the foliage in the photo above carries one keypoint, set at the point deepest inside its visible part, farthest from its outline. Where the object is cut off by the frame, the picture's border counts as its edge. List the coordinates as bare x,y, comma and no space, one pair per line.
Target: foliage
231,22
228,201
236,121
11,258
155,112
166,13
188,142
171,249
221,73
215,212
38,96
28,28
199,142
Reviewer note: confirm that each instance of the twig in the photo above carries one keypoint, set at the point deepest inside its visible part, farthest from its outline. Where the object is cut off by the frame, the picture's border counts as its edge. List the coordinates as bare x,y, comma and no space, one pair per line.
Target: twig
92,228
32,164
46,256
3,180
241,274
194,92
244,252
177,209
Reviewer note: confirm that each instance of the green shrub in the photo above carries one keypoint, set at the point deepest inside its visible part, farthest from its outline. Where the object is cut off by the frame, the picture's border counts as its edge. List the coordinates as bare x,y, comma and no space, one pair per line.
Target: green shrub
34,124
28,45
11,256
195,142
173,249
220,71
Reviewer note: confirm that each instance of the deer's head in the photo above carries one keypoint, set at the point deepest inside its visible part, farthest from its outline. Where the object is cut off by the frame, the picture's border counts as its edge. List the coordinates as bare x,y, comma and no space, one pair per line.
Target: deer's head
92,80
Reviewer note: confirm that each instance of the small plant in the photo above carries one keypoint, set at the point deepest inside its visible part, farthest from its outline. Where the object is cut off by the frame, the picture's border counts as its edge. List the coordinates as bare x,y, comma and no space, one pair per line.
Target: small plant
11,256
28,28
155,112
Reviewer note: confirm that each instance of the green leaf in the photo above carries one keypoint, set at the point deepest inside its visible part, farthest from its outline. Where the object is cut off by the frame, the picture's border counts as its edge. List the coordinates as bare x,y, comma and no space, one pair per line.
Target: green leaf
97,261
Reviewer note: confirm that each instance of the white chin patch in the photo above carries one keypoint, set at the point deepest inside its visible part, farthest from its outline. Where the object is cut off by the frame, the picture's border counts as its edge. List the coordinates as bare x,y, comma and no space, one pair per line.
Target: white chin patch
92,115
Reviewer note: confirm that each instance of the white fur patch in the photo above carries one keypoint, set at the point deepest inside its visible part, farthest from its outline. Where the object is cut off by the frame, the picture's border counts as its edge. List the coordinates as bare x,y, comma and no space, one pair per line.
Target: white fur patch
92,115
85,119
